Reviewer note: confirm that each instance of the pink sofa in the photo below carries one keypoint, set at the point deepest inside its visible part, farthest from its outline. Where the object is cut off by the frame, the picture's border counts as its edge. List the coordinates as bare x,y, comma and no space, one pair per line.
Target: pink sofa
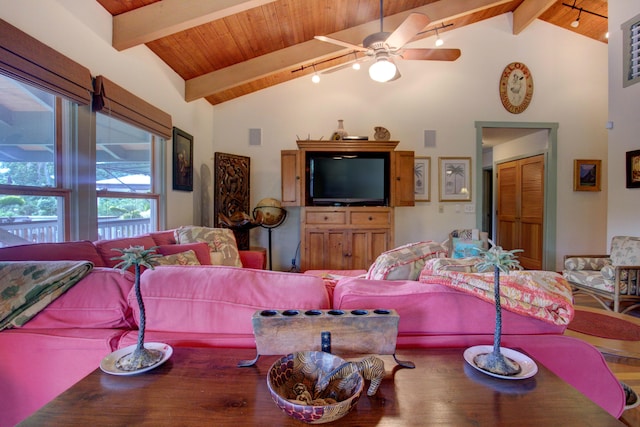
211,306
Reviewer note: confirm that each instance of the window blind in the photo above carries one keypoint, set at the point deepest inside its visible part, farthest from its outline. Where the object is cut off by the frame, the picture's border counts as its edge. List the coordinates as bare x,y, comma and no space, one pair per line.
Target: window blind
111,99
634,63
26,59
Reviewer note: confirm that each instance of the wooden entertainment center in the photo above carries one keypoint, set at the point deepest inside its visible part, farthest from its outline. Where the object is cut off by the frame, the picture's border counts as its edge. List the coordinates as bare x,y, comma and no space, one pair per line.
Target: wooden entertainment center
345,237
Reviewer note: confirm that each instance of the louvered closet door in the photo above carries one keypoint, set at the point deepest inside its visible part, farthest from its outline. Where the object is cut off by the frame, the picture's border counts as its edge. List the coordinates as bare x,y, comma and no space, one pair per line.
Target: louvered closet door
520,209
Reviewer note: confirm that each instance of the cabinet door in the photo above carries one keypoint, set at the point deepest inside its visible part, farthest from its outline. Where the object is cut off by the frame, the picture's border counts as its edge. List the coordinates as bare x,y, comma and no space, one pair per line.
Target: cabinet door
325,249
290,177
366,245
402,177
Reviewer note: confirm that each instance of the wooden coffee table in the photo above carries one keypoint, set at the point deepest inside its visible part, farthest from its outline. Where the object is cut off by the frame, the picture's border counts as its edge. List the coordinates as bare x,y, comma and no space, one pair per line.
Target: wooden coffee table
203,386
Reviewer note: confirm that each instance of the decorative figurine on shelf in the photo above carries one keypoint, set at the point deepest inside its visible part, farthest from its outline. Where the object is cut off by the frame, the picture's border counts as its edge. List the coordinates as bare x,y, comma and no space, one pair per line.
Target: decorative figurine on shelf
141,357
381,134
501,261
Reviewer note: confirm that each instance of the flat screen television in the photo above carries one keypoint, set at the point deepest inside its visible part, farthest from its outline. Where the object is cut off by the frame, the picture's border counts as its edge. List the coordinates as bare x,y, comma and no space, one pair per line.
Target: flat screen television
348,179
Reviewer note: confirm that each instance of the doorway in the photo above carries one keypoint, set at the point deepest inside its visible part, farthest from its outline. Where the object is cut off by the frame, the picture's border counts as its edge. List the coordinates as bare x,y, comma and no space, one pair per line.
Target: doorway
517,140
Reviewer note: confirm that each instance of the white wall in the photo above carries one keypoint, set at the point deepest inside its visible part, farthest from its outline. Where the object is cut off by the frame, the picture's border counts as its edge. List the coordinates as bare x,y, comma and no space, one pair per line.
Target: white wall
624,108
570,77
81,30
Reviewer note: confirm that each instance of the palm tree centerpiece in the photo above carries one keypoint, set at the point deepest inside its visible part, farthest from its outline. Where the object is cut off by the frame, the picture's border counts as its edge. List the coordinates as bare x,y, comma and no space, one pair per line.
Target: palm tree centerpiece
501,261
141,357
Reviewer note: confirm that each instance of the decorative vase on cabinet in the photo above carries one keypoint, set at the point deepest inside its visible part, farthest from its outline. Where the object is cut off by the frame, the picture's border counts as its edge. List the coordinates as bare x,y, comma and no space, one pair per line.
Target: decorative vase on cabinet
340,133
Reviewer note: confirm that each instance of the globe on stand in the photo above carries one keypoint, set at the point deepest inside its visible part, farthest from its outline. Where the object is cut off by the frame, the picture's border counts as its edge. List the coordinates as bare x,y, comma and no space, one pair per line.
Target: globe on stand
270,214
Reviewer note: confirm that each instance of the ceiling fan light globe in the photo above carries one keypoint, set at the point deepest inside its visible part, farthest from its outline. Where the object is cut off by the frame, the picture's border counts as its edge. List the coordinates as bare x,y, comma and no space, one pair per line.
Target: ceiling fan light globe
439,42
382,70
356,66
575,23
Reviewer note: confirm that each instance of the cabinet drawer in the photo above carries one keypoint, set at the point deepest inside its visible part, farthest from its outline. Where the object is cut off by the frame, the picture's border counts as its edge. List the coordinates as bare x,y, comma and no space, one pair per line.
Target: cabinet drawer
370,218
315,217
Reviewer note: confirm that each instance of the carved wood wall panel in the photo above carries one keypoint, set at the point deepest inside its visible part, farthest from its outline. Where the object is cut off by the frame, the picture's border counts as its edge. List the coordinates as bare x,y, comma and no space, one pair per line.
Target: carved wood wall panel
231,191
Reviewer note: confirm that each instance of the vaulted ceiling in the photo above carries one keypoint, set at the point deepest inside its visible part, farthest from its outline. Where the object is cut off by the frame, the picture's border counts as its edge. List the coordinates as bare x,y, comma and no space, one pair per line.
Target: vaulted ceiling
225,49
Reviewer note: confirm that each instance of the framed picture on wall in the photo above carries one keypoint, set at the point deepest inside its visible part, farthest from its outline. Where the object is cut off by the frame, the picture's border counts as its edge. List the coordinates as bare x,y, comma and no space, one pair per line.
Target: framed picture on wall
586,175
633,169
182,160
422,179
454,179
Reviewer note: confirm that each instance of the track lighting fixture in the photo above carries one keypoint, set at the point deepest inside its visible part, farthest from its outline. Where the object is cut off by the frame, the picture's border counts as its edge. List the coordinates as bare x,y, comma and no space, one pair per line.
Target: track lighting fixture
356,65
439,41
576,23
315,78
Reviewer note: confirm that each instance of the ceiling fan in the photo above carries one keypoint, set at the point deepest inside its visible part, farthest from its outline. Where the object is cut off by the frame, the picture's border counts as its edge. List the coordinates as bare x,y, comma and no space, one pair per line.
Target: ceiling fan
384,48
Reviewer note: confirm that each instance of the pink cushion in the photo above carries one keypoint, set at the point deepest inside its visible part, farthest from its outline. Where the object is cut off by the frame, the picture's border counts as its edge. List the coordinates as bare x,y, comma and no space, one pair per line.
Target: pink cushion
163,237
106,247
38,365
97,301
201,250
65,251
430,309
253,259
220,299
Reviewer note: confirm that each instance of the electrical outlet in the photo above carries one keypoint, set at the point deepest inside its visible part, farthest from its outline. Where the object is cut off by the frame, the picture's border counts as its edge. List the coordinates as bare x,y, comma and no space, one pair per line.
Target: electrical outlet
469,208
440,209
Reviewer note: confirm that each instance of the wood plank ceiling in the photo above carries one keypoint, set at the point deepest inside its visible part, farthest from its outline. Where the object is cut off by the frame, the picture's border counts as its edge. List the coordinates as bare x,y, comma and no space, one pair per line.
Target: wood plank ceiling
225,49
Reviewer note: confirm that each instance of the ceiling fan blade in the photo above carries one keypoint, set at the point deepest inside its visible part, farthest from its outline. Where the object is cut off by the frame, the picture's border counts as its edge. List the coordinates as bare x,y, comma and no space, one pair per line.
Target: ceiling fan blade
407,30
431,54
340,43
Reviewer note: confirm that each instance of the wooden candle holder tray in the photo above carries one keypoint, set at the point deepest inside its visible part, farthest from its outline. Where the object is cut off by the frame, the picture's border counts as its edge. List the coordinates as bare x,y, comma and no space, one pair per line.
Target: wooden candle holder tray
361,331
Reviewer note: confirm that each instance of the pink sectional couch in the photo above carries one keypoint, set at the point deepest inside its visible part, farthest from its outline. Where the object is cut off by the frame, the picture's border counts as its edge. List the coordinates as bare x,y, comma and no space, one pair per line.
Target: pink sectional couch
211,306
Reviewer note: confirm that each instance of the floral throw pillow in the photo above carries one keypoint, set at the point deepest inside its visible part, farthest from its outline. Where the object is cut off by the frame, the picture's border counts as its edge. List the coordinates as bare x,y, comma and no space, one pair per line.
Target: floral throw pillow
462,265
405,262
181,258
222,243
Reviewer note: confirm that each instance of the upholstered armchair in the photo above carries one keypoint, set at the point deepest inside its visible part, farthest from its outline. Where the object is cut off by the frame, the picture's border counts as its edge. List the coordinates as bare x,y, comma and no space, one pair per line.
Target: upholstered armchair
611,279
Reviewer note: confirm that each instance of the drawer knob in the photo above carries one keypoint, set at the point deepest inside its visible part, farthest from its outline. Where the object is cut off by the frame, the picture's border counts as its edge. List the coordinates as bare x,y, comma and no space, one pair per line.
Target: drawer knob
326,218
370,218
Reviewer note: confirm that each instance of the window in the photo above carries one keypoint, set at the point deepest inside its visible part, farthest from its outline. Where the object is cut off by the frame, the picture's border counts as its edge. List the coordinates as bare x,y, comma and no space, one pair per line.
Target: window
631,51
77,154
127,202
39,158
33,201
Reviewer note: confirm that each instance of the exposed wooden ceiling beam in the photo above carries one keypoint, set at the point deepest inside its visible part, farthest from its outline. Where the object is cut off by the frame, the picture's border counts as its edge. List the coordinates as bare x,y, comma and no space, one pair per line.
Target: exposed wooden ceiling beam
166,17
313,50
528,12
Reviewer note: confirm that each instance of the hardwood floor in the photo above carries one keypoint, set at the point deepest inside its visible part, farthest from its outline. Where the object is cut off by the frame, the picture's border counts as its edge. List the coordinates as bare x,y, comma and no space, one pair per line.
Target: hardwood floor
623,357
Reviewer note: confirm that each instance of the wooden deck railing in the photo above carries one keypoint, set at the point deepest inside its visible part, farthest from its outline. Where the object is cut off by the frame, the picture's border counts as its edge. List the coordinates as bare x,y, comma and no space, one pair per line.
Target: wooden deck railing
49,231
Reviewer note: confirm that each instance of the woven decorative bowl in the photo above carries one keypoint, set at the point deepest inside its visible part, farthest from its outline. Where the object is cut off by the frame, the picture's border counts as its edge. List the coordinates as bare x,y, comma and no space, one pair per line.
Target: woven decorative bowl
292,381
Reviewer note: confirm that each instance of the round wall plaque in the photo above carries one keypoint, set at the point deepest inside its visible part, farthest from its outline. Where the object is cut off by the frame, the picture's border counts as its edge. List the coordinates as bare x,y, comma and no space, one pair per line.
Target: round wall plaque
516,87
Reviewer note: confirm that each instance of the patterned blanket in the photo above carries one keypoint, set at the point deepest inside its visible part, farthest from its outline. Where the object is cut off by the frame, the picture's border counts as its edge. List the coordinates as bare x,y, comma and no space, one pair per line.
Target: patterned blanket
544,295
27,287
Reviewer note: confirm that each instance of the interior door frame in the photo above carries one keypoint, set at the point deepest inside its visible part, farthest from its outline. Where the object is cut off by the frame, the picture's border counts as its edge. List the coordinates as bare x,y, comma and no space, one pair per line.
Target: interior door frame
550,185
